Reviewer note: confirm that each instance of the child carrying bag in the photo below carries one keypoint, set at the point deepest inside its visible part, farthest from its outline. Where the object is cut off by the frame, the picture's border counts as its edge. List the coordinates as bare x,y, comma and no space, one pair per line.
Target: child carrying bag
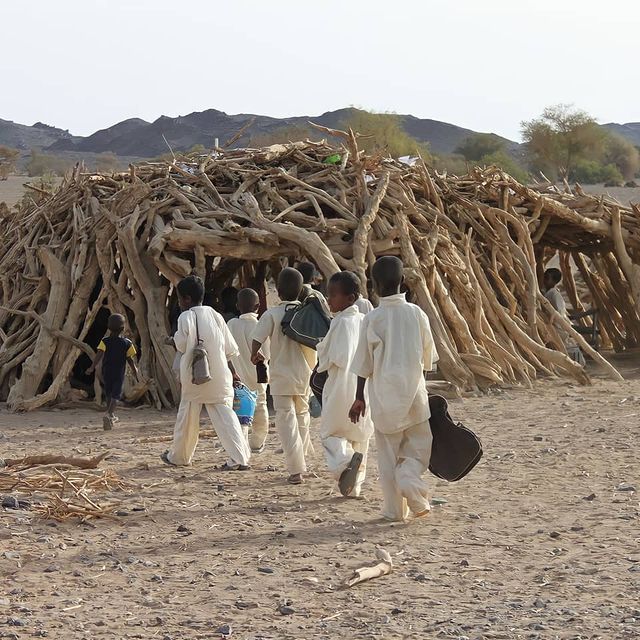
200,373
306,323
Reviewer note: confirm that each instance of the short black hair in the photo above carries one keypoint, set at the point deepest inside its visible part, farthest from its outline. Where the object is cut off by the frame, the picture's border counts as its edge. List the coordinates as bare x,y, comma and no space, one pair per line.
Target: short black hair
115,323
308,270
289,284
192,287
348,281
248,300
387,272
554,274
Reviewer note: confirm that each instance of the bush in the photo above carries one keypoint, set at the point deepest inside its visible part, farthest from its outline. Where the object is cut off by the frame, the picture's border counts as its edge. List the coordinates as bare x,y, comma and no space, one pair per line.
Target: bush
479,145
593,172
506,163
8,157
41,164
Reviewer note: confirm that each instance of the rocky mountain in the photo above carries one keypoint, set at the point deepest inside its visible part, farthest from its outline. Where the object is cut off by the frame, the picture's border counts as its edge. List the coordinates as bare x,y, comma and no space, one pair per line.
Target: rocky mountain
630,131
136,137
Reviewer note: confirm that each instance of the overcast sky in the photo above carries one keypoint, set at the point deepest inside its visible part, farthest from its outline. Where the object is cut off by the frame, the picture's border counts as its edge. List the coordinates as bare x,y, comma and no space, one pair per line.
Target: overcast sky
86,64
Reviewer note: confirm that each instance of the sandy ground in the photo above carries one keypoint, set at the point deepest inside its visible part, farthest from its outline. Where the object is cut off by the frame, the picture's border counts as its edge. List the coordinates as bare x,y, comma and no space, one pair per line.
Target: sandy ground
540,541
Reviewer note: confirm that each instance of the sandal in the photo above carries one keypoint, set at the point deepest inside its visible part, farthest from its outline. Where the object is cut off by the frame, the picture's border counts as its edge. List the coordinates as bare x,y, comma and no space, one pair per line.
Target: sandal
349,476
233,467
165,458
295,478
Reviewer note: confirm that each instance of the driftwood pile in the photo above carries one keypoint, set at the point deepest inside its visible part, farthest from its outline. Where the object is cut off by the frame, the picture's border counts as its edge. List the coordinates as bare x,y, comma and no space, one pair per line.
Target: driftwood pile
473,246
61,488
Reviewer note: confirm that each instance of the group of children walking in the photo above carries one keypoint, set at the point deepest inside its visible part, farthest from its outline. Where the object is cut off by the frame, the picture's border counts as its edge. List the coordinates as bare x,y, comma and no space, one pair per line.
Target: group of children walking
374,359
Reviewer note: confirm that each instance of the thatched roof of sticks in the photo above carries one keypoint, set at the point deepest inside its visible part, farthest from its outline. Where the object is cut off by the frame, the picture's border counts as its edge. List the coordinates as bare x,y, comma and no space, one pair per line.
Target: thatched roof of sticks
473,248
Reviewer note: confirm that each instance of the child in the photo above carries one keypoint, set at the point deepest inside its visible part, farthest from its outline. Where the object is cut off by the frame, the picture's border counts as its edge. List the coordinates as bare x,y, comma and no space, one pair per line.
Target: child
345,444
363,305
288,377
395,348
114,352
217,393
242,329
552,278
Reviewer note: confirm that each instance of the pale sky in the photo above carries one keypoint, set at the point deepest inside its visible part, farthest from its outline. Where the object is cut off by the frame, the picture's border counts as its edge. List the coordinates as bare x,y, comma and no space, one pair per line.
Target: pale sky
84,65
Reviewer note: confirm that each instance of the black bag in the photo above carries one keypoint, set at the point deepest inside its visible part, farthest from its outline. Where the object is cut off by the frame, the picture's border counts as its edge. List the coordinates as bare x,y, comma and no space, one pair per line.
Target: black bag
317,382
306,323
456,449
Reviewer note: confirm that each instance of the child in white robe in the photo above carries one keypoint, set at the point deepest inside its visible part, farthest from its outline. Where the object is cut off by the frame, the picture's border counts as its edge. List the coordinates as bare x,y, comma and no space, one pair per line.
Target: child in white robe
345,443
396,347
216,394
363,305
242,329
289,373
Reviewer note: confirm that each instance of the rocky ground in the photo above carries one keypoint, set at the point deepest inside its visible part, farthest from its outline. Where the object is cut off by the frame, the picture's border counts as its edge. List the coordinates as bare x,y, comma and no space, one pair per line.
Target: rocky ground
542,540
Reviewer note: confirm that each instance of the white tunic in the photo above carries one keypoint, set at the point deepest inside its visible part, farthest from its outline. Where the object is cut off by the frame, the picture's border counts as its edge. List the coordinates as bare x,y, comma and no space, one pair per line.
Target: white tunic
364,306
395,348
220,346
335,355
289,365
242,329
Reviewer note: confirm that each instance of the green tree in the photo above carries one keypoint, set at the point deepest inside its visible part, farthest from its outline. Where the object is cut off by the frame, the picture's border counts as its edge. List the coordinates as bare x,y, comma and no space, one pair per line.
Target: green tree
623,155
479,145
505,162
284,134
383,133
41,163
8,158
561,137
594,172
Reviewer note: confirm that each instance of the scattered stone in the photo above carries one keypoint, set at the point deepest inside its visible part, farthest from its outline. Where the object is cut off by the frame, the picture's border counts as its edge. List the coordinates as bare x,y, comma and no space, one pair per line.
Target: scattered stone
220,487
10,502
623,486
396,611
629,620
265,570
464,563
240,604
11,555
286,610
473,516
121,512
554,534
52,568
17,622
225,630
538,438
590,497
436,502
577,528
421,577
539,604
184,529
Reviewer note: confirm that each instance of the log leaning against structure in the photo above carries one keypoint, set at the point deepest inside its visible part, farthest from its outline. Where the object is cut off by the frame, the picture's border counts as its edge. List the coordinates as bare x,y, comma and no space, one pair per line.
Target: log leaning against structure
473,247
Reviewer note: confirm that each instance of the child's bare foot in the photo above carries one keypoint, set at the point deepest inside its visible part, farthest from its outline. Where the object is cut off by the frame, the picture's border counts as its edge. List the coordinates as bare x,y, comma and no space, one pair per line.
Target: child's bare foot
107,423
295,478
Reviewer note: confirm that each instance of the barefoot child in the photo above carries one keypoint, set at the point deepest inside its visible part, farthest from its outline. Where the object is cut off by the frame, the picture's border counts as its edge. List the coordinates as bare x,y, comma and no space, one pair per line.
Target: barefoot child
114,352
216,394
289,374
345,443
396,347
242,329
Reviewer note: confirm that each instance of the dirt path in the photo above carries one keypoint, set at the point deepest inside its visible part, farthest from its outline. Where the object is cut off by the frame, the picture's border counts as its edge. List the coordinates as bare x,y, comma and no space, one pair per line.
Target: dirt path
536,543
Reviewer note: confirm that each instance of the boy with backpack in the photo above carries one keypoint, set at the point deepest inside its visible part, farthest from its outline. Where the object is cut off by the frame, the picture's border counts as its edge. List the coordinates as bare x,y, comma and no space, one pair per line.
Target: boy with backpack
290,367
395,348
207,378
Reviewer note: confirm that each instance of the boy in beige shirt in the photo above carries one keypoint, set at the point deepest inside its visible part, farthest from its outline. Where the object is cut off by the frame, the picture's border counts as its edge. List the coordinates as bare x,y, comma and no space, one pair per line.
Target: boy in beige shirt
289,374
242,329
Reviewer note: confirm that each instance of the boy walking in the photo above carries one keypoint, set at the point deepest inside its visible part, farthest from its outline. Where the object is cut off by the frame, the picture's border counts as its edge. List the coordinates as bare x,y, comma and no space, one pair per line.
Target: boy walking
289,375
199,322
395,348
114,352
345,443
242,329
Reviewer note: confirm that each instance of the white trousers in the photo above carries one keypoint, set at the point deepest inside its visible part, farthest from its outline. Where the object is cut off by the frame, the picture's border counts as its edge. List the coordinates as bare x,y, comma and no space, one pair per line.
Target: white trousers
226,424
260,424
338,453
292,424
402,459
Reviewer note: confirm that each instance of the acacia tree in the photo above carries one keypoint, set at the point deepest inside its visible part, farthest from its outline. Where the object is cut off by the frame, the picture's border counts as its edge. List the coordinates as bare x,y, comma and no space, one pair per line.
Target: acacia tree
562,136
8,157
478,145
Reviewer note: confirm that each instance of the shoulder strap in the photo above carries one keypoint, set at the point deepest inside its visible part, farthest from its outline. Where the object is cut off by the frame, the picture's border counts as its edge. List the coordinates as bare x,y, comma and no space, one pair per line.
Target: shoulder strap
195,315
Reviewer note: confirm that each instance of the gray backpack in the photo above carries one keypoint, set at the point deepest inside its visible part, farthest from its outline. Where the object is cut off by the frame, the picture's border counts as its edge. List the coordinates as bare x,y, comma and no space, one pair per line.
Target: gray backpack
200,373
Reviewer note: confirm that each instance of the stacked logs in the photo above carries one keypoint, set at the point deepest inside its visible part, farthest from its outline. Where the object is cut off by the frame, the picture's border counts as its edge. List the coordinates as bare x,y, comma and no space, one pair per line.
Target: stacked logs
473,248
